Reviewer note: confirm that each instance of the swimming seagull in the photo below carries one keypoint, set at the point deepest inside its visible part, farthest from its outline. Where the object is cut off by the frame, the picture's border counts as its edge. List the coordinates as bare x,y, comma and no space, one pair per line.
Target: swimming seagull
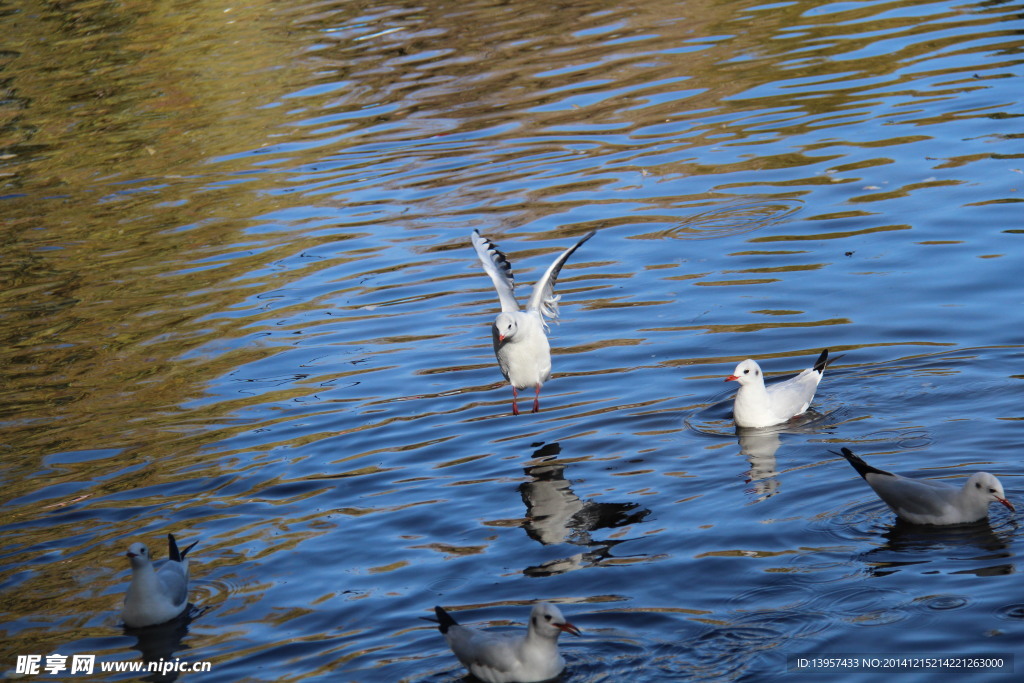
520,337
927,501
504,658
760,406
156,596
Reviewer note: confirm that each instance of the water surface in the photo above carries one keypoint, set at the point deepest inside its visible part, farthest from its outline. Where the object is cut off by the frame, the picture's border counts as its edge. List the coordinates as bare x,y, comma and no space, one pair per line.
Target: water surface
240,305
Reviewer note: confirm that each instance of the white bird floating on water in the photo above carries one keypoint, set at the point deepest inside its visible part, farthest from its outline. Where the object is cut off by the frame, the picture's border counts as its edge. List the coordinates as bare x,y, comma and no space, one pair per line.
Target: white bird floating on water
759,406
520,337
927,501
155,597
507,658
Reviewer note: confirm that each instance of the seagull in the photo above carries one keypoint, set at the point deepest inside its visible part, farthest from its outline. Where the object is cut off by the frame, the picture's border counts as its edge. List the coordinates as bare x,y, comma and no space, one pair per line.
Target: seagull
927,501
520,337
506,658
155,597
760,406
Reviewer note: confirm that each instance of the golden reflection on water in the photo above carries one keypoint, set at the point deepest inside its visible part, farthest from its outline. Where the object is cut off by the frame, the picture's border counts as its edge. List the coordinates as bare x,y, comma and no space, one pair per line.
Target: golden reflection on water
122,109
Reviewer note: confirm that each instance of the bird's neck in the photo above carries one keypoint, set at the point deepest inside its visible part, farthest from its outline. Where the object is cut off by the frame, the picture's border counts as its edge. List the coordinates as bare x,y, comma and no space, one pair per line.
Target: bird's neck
536,640
972,504
752,391
144,582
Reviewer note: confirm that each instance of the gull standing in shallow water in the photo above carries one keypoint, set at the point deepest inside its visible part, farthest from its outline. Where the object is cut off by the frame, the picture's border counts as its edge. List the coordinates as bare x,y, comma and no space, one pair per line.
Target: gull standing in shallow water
520,337
927,501
760,406
155,597
506,658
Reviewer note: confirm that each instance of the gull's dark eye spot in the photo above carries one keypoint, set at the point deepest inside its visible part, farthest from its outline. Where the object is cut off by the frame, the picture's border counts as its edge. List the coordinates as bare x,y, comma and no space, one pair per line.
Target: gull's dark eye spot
534,621
547,617
977,486
746,372
991,490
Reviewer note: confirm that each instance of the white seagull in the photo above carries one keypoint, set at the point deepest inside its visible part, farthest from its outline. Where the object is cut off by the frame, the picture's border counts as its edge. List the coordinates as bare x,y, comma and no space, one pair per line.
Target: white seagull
506,658
759,406
927,501
520,337
155,597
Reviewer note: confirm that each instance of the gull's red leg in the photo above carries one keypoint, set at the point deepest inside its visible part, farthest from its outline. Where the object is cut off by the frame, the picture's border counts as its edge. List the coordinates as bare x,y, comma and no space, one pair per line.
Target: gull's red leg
515,402
536,400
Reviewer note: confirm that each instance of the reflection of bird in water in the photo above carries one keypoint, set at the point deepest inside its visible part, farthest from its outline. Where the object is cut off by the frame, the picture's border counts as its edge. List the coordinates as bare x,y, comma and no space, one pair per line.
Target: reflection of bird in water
759,447
909,544
159,643
557,515
554,514
561,565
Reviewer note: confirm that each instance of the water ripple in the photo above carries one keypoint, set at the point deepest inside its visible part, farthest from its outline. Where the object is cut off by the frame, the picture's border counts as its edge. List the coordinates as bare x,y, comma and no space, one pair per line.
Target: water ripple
942,603
1014,612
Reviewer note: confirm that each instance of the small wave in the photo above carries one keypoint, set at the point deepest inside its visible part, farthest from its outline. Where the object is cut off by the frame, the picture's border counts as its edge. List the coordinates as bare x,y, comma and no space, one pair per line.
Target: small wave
729,219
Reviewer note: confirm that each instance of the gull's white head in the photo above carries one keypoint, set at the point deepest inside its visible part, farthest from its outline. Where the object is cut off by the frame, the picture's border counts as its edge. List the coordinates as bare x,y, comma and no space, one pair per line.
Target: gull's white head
505,327
138,554
985,486
547,621
747,372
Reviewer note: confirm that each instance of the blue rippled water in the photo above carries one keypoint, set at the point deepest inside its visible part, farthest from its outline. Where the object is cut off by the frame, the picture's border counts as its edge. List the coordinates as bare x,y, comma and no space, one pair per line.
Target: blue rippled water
240,305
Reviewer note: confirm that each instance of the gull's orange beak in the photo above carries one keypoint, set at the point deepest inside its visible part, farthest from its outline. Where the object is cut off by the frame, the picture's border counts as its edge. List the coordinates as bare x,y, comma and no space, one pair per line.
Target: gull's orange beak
569,628
731,378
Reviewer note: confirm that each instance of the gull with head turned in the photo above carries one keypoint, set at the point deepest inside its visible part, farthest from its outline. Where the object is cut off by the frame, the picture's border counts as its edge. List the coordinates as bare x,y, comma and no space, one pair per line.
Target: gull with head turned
927,501
507,658
155,597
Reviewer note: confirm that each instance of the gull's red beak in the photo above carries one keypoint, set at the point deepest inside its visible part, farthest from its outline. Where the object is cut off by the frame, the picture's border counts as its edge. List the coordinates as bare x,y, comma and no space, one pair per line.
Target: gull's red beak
1007,504
129,554
569,628
731,378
